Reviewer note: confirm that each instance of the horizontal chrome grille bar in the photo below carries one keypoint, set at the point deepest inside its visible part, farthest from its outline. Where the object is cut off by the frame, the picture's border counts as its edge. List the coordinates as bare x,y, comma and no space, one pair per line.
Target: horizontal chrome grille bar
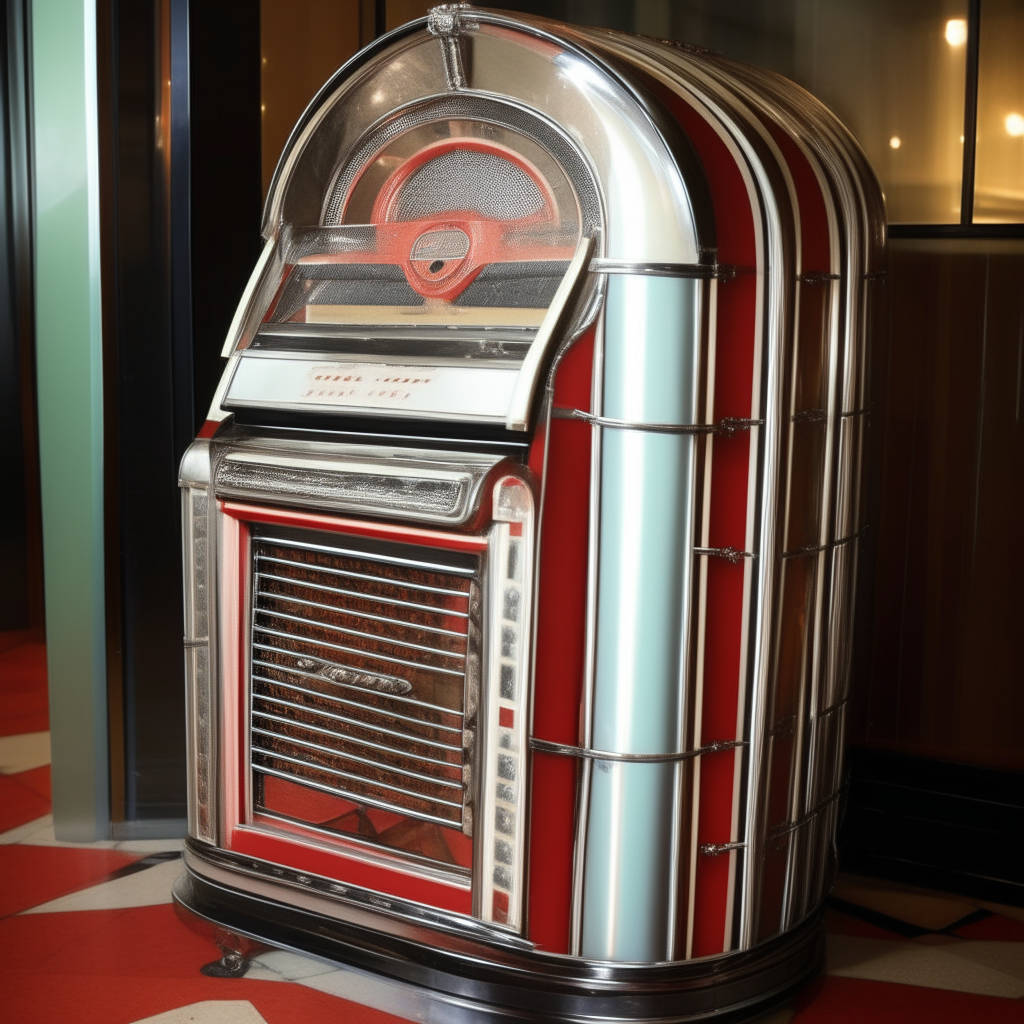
401,584
362,595
362,725
372,656
359,798
359,667
359,633
364,707
411,563
347,611
358,689
387,786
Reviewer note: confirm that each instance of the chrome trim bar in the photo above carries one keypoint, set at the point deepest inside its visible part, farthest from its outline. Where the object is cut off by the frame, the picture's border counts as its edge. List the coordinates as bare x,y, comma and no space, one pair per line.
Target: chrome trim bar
562,307
355,650
549,747
730,554
608,266
725,428
714,849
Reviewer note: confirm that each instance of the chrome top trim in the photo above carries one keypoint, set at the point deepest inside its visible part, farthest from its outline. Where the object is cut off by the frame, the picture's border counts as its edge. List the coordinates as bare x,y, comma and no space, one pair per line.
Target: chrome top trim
330,463
195,465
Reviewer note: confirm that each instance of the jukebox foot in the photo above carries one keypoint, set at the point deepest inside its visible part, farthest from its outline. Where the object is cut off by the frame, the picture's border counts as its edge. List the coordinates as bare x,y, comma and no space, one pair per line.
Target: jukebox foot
237,951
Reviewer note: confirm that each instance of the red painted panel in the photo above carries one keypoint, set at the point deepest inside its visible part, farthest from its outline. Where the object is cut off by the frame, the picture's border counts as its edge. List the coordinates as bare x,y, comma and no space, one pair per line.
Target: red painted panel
337,864
814,238
561,641
733,394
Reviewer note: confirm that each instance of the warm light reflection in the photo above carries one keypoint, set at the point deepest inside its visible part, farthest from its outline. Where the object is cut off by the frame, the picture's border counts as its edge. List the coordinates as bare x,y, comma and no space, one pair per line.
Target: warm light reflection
1014,125
895,142
956,31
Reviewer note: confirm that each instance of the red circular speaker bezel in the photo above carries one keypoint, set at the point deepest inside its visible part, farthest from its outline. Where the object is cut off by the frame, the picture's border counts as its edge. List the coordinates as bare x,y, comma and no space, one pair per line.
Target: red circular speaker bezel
487,236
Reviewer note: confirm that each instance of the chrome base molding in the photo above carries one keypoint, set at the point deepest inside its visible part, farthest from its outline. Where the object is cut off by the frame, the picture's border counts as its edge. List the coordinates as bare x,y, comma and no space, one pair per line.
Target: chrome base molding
446,973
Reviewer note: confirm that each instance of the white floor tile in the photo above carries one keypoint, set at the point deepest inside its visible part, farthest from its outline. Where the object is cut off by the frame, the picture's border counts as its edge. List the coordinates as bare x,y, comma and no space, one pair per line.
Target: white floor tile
23,751
983,968
292,966
40,827
211,1011
40,833
145,888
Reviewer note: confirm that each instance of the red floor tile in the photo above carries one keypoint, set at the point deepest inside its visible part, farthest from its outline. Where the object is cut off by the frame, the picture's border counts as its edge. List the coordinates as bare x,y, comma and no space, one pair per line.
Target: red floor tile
117,966
838,923
24,703
995,928
24,796
36,874
853,1001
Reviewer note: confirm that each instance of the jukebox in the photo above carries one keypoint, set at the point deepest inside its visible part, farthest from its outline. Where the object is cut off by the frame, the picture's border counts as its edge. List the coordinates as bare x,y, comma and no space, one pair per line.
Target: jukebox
520,540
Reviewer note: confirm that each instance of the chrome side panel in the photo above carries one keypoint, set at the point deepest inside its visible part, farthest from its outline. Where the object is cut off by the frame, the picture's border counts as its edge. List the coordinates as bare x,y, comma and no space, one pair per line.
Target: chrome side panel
646,540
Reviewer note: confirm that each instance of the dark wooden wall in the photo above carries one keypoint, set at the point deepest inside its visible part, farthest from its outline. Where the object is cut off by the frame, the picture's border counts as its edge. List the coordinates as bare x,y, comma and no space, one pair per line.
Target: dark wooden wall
945,674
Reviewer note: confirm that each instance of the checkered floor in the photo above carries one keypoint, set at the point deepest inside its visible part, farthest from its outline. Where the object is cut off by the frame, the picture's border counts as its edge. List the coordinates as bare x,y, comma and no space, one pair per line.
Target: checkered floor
88,934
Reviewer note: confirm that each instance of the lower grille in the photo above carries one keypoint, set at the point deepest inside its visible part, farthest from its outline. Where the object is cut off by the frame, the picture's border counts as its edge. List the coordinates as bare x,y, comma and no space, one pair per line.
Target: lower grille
362,659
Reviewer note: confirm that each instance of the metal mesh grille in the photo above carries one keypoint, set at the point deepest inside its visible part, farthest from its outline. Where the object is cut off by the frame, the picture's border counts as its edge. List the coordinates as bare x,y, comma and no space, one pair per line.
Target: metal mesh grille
359,668
466,179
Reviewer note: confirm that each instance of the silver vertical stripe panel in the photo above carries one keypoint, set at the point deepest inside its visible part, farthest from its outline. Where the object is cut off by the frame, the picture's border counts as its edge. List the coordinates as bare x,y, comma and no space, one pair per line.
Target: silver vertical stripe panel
644,569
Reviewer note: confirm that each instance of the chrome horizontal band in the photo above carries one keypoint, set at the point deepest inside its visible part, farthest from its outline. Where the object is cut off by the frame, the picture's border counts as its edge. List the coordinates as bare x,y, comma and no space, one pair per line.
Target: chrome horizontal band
814,549
714,849
730,554
792,826
199,641
548,747
605,266
725,428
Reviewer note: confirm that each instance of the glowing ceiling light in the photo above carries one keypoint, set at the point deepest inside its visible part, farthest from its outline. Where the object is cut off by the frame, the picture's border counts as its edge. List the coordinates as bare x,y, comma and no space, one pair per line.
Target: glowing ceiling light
1014,124
895,142
956,31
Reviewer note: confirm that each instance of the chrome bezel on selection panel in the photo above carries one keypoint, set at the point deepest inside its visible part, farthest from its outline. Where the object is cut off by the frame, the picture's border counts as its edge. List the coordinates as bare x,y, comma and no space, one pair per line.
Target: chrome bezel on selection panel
503,789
